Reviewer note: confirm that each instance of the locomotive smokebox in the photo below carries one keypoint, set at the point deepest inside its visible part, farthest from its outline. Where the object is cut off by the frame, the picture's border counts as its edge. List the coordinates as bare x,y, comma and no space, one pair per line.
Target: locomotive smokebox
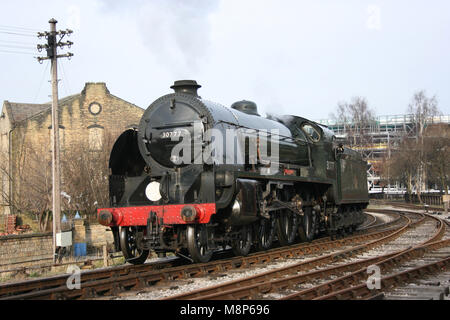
186,86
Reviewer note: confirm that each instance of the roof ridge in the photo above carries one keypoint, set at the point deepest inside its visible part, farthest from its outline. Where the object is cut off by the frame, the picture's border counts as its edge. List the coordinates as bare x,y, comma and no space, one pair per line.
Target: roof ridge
126,101
23,114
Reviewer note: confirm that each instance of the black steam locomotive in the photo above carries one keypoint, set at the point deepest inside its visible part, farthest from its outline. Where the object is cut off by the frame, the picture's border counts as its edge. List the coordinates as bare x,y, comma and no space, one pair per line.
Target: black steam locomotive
196,177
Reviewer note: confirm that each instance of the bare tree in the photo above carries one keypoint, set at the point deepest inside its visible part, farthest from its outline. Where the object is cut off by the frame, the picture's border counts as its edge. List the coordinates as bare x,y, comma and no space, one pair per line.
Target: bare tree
356,117
402,166
30,177
437,153
84,178
423,109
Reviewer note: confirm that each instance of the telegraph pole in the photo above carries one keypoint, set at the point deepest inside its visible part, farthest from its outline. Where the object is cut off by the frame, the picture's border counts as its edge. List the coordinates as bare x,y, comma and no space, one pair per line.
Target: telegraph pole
52,54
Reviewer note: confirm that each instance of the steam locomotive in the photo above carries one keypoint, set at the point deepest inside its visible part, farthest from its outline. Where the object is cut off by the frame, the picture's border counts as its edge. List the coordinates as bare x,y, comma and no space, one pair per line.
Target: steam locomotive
196,177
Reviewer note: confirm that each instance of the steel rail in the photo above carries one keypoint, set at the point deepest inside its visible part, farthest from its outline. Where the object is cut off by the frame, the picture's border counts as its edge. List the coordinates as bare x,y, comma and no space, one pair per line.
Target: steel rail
252,286
362,291
20,287
133,280
415,206
129,277
337,287
370,222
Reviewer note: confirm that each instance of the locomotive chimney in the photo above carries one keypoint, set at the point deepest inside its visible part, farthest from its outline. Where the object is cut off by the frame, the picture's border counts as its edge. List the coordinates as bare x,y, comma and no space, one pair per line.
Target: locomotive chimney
186,86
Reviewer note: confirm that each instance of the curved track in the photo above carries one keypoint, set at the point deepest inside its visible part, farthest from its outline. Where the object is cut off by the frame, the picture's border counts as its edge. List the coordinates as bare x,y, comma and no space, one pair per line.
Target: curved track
426,237
267,285
112,281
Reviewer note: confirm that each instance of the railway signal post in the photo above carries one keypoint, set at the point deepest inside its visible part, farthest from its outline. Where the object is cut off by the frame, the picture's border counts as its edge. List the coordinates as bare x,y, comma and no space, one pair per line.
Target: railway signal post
52,54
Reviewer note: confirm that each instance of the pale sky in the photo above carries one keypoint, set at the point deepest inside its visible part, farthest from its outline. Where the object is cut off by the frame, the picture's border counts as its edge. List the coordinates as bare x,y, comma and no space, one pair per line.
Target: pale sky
290,57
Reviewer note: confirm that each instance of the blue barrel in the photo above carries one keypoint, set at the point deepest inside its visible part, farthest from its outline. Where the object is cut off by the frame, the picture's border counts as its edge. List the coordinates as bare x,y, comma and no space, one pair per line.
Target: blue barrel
79,249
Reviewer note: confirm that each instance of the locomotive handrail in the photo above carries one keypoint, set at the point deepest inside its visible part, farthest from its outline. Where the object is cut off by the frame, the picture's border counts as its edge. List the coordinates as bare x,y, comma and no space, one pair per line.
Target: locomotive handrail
175,124
269,134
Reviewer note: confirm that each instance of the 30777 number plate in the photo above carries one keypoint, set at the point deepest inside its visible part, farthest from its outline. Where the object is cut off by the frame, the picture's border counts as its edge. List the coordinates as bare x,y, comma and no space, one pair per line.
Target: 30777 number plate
171,134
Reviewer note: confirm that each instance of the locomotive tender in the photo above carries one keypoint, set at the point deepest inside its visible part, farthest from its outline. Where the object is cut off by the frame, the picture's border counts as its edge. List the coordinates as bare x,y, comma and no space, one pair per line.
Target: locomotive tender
168,194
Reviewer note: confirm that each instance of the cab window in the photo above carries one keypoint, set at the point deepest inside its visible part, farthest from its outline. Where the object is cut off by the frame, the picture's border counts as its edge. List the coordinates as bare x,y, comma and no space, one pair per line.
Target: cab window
311,132
300,135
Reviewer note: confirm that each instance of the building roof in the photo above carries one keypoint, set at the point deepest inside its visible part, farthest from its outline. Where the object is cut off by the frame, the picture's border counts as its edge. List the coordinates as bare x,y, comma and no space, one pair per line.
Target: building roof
18,112
21,111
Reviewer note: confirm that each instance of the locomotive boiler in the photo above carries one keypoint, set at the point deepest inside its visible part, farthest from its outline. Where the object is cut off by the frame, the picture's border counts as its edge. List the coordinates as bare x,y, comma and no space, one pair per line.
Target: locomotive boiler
196,177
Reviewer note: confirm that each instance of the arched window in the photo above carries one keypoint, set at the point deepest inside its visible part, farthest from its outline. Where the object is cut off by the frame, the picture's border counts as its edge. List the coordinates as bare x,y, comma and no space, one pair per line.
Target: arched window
95,137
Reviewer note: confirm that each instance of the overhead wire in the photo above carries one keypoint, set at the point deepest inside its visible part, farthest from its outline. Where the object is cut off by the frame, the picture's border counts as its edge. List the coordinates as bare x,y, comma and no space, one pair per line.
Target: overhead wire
10,45
17,52
18,31
42,81
18,28
65,81
14,46
26,48
18,42
18,34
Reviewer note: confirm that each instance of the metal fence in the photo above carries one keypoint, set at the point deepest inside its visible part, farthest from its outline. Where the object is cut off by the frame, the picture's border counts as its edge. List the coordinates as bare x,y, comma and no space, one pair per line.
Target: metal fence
430,199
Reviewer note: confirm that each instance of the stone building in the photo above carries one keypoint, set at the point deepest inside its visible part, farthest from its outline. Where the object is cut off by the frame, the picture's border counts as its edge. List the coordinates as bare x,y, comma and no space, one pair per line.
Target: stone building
89,123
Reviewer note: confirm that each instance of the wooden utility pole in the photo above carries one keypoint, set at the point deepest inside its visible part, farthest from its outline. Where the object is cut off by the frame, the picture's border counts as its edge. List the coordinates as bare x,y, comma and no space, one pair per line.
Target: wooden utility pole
56,181
52,54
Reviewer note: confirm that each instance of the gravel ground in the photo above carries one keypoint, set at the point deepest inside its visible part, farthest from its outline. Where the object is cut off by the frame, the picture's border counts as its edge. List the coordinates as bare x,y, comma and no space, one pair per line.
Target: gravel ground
183,286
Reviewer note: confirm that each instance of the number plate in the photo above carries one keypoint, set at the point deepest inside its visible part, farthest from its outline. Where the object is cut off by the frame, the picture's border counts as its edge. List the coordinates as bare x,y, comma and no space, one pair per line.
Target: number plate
171,134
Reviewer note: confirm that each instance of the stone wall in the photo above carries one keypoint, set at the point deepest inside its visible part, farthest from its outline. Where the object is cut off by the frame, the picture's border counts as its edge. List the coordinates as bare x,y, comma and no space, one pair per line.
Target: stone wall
36,249
98,235
94,235
24,250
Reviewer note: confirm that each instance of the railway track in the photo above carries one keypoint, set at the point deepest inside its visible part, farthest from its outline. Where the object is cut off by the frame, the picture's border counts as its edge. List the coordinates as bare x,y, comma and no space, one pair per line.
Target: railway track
431,287
353,285
268,285
370,221
415,206
112,281
311,285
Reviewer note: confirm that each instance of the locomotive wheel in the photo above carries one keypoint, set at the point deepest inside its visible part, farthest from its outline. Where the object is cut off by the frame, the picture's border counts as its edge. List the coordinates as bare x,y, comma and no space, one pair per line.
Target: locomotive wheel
129,247
307,226
266,232
197,241
242,245
287,224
